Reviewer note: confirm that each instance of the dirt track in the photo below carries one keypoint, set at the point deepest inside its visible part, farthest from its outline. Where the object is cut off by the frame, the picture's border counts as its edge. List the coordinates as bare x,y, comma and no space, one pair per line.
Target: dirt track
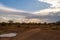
36,34
27,34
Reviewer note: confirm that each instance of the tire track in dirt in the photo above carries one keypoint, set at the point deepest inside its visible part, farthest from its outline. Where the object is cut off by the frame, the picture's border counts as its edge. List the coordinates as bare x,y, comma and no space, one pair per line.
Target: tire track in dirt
25,35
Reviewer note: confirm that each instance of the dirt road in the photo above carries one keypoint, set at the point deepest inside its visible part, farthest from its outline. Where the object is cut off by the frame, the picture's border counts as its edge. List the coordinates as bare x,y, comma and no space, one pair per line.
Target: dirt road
25,35
37,34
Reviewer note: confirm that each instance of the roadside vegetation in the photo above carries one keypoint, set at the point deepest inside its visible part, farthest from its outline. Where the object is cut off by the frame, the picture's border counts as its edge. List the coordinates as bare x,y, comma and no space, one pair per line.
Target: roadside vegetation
21,27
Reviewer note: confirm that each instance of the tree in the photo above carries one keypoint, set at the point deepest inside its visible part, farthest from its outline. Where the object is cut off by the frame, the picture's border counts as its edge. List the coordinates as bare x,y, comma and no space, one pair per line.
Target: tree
10,21
58,22
3,23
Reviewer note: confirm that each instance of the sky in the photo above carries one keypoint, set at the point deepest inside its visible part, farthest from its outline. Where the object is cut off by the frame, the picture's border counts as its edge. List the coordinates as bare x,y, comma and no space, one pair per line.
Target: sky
27,5
30,10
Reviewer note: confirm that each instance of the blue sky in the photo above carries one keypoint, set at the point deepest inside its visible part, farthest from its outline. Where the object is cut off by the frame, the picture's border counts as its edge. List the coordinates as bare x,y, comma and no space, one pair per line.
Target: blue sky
43,10
27,5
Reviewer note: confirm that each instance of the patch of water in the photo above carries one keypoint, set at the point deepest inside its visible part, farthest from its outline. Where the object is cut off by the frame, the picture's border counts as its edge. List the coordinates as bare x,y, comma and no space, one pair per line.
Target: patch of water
8,35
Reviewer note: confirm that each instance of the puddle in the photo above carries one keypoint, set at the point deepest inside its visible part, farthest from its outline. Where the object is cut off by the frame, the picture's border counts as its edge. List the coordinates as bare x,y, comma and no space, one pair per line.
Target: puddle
8,35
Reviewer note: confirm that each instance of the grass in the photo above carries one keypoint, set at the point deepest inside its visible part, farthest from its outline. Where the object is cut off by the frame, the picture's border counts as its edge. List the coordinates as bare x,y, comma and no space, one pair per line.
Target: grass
17,27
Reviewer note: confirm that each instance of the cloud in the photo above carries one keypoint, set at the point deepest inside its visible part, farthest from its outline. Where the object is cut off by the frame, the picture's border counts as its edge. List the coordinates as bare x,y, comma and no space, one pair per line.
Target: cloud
49,14
54,3
49,11
2,7
15,15
10,14
45,15
4,19
34,20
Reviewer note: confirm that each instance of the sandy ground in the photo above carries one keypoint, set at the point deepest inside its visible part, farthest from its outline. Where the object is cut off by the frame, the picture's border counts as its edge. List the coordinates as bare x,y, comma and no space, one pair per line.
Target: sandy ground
36,34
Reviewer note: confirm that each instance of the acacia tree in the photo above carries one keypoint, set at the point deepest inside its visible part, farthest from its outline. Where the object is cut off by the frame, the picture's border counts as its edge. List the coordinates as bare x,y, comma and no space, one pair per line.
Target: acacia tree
10,21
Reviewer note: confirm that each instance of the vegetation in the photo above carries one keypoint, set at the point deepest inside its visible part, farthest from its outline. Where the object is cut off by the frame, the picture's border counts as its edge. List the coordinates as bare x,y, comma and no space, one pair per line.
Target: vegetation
21,27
